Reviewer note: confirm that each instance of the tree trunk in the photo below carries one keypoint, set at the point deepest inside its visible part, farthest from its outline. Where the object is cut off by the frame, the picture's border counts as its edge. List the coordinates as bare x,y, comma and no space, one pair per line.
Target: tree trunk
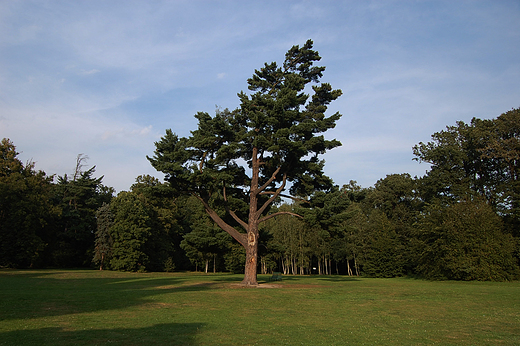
102,261
325,264
349,271
250,275
356,266
250,278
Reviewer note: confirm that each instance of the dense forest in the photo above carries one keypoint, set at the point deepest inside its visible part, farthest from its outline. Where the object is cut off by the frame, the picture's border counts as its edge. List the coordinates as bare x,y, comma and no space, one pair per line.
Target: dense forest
460,221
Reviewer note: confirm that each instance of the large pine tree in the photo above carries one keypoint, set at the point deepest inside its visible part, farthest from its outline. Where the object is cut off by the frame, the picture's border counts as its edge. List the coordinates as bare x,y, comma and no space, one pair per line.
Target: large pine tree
242,160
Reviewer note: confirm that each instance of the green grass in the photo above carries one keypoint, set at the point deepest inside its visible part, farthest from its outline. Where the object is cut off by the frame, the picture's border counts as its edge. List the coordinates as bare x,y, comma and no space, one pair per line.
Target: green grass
80,307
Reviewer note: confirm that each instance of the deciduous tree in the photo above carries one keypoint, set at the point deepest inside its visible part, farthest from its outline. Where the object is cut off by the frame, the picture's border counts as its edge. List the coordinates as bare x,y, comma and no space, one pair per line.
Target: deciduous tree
464,241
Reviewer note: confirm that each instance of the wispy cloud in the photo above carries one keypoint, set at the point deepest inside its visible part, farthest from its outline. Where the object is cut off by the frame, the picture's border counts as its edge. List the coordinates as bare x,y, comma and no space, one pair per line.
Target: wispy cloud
93,71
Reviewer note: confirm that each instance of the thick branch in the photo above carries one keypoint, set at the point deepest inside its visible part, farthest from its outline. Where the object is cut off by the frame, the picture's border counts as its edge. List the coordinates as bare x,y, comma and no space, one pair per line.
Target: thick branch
240,237
268,182
232,213
273,197
265,218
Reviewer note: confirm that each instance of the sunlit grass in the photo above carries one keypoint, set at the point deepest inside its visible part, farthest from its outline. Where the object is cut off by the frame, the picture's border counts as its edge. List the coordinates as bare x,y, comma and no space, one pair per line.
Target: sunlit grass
56,307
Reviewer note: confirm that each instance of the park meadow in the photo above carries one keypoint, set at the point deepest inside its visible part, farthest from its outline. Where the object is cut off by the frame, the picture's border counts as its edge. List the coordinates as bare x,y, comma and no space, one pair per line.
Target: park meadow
90,307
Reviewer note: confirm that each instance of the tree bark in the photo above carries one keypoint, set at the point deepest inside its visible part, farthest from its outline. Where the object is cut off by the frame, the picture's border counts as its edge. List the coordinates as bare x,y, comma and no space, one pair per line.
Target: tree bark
250,274
251,246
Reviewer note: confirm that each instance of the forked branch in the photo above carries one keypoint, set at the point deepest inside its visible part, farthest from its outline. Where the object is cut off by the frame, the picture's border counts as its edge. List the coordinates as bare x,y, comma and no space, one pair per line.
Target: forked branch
273,197
231,212
240,237
268,182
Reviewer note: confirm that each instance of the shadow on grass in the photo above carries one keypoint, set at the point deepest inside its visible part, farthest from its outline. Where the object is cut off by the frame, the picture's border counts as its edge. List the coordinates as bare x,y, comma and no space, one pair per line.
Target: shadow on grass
41,294
160,334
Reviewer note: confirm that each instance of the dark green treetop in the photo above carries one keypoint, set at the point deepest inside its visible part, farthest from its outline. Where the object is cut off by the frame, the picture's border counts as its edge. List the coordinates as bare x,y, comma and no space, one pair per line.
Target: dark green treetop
279,121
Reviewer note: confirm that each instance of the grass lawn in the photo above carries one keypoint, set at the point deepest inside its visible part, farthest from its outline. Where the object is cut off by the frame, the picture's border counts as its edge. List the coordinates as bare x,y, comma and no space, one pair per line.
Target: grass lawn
82,307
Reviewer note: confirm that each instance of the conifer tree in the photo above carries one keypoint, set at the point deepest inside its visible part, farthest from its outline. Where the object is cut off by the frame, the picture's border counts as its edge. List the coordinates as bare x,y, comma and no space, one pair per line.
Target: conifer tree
244,159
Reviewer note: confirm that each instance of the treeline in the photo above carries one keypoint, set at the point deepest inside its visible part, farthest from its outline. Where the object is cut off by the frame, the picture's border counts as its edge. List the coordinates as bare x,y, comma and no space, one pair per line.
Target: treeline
47,221
460,221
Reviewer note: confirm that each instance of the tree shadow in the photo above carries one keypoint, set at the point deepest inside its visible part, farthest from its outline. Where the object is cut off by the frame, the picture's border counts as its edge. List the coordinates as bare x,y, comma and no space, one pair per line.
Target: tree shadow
37,295
159,334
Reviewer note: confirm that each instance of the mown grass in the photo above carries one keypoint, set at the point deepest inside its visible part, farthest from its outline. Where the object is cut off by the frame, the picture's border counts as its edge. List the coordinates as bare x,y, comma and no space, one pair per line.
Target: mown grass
80,307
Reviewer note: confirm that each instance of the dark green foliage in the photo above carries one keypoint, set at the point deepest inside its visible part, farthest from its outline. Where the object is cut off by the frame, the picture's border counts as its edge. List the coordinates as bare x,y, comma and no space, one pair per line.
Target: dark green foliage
474,162
503,148
166,233
464,241
325,218
46,224
287,243
385,253
78,198
278,120
235,258
145,231
481,158
103,243
392,206
206,241
130,232
140,229
25,211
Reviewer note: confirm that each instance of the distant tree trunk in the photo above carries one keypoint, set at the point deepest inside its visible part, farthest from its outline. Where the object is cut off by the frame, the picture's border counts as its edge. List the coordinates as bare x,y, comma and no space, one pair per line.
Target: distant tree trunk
264,266
325,264
102,261
207,266
349,271
356,266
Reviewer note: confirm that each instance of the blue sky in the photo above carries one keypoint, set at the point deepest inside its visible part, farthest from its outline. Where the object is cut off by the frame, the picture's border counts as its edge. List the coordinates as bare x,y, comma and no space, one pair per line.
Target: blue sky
107,78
